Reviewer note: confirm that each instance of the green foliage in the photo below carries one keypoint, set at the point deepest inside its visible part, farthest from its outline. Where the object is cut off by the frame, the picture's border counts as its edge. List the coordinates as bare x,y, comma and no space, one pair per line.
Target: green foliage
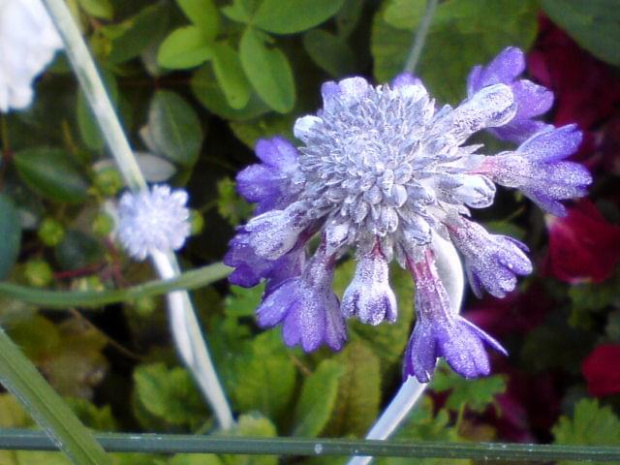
253,425
185,47
463,33
230,204
591,425
330,52
230,76
98,8
11,233
476,395
204,15
78,250
317,399
167,396
293,15
594,24
52,173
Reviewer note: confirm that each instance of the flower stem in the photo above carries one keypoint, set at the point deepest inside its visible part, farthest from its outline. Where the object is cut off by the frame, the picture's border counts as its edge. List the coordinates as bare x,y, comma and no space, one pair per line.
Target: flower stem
185,328
451,275
420,37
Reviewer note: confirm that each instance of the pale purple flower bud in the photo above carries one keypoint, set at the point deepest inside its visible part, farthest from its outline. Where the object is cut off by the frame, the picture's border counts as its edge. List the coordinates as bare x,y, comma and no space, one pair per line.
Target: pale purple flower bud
307,307
369,296
153,220
492,261
440,332
531,99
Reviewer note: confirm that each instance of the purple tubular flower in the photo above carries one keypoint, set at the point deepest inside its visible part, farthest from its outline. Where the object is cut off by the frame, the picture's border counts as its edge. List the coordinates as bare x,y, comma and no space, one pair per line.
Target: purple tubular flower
492,261
269,183
537,169
440,332
369,296
307,308
532,100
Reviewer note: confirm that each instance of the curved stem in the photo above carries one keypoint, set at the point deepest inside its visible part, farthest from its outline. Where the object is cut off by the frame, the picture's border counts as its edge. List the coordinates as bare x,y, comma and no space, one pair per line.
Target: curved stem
420,37
451,274
92,85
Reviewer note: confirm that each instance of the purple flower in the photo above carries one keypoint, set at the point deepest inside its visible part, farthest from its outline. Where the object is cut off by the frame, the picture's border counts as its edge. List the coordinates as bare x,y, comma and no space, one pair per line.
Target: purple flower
440,332
537,169
492,261
307,308
531,99
383,172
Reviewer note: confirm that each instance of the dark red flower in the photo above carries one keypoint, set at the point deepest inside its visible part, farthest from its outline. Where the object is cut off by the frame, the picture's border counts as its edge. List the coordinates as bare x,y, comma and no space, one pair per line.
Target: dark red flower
602,370
583,246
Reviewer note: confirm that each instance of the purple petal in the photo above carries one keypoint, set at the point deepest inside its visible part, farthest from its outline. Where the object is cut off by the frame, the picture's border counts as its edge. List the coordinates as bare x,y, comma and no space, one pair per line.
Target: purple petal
553,145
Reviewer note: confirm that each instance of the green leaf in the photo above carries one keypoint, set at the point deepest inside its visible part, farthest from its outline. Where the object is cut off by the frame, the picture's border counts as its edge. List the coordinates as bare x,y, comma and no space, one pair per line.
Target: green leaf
195,459
11,234
78,250
204,15
98,8
264,127
230,76
243,301
22,379
208,92
169,394
290,16
98,418
359,392
175,128
476,394
12,414
237,11
594,24
230,205
268,70
53,174
89,130
463,33
330,52
185,47
318,399
253,425
591,425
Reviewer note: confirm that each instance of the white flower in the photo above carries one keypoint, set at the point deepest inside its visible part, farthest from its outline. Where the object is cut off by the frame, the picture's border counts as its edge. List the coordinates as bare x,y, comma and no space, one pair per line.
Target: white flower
28,42
155,220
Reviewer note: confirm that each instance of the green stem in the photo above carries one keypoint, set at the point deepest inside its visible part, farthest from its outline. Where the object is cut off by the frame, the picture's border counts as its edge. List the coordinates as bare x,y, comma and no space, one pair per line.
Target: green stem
420,37
189,280
183,329
22,379
172,443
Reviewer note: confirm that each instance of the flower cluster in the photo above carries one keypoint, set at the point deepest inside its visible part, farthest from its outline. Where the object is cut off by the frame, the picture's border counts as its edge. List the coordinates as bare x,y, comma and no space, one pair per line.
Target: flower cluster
28,42
155,220
385,171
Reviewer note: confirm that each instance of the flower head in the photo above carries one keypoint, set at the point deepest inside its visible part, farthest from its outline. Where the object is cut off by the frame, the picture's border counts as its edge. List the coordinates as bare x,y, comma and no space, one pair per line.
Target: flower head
28,42
384,171
153,220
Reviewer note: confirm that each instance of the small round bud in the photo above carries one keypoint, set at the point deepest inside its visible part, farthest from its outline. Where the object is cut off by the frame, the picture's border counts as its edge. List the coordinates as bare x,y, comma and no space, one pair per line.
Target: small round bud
51,232
38,273
196,222
103,225
108,181
145,306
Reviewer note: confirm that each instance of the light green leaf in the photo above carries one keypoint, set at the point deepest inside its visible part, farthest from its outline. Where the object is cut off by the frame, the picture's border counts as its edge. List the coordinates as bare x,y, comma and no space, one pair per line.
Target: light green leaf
290,16
330,52
185,47
234,208
594,24
243,301
476,394
317,399
359,392
253,425
237,11
463,33
174,128
269,71
11,234
98,8
204,15
230,76
52,173
208,92
591,425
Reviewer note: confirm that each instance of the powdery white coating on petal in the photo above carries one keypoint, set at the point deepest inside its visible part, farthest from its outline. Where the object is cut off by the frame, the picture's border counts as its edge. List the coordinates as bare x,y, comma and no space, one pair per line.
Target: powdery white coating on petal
369,297
153,220
28,42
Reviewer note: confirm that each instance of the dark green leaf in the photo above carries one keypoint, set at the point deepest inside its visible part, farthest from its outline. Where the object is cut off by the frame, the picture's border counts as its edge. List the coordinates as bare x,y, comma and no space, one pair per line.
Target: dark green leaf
89,130
290,16
204,15
174,128
11,234
208,92
317,399
185,47
263,127
230,76
268,70
330,52
594,24
78,250
52,173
